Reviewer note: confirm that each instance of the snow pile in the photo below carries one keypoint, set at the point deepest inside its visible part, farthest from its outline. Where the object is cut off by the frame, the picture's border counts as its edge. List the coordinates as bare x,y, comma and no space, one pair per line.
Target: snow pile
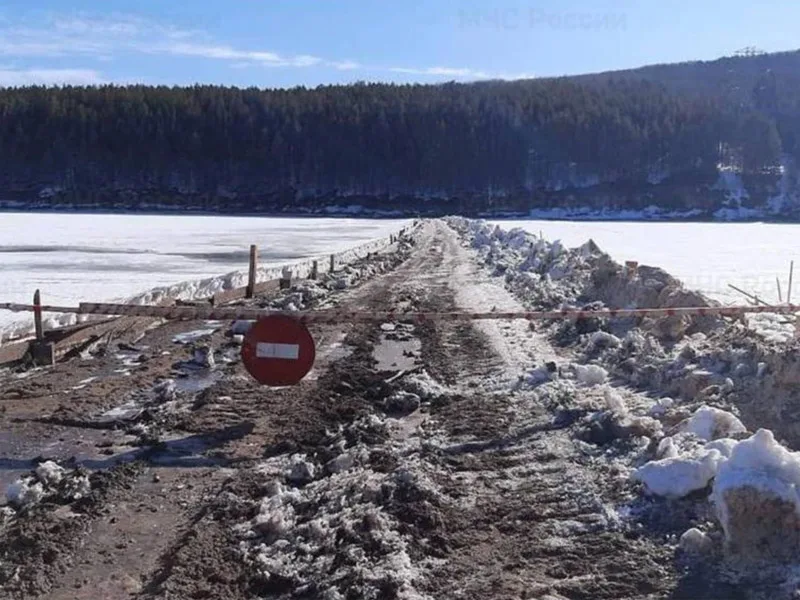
676,477
25,492
203,356
757,497
335,525
425,386
547,276
334,535
300,297
590,374
541,272
49,480
772,328
710,423
689,460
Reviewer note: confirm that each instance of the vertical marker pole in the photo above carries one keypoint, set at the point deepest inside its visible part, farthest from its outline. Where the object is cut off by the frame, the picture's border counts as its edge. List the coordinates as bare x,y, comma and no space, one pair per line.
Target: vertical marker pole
285,282
37,315
251,277
314,269
333,263
789,291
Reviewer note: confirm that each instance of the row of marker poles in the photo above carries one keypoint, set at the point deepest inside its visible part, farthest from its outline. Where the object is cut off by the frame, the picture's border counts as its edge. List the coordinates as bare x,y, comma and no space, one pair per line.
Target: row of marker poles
252,272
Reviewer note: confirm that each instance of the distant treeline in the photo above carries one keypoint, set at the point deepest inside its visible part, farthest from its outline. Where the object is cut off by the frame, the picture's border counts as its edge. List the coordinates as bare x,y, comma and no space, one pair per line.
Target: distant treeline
674,122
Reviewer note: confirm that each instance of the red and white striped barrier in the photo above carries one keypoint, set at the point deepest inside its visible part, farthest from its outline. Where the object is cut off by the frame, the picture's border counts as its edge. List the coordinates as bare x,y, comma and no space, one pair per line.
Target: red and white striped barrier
338,316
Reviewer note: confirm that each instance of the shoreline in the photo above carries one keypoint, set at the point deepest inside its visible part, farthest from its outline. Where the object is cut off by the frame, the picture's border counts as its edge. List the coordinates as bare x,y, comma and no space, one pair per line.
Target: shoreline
597,217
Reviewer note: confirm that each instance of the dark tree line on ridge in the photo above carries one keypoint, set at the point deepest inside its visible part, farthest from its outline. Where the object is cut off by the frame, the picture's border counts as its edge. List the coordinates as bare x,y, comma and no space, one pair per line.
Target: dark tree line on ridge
408,139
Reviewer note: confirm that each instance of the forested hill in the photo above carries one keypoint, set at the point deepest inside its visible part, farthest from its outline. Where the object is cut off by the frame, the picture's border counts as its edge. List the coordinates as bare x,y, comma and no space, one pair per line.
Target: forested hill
702,136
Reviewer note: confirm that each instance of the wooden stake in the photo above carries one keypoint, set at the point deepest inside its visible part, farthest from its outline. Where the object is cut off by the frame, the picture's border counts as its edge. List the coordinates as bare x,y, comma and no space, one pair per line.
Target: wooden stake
314,270
285,282
780,296
333,263
37,315
251,277
789,291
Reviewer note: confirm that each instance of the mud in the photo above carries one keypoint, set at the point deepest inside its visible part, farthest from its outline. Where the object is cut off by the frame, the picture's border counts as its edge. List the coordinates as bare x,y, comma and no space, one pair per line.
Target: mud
416,461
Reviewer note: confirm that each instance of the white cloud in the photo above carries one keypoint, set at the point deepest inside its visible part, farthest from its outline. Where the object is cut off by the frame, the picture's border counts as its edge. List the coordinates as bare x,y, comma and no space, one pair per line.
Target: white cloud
441,72
458,73
108,37
346,65
19,77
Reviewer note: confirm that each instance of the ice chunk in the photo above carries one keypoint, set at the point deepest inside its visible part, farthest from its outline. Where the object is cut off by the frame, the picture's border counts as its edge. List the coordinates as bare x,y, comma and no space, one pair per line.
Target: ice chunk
539,375
590,374
78,487
23,492
302,472
614,402
49,473
661,406
603,339
204,356
677,477
241,327
709,423
424,386
165,391
402,402
343,462
694,541
667,449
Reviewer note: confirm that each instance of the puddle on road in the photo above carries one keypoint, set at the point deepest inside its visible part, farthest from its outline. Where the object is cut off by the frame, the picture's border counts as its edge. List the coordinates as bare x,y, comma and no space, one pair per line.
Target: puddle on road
398,349
329,350
18,453
98,449
197,381
20,457
190,337
185,452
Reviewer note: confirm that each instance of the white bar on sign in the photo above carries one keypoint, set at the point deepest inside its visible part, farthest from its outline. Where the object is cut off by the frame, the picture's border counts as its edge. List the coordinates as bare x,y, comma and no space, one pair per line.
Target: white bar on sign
268,350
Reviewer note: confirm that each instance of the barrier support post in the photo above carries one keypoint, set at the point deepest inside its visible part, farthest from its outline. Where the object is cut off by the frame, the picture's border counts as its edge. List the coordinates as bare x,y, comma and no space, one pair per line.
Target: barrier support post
42,353
285,281
37,315
333,263
314,270
251,276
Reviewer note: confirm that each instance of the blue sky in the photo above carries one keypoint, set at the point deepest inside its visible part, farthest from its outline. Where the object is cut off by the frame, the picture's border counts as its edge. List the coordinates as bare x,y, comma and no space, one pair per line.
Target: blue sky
280,43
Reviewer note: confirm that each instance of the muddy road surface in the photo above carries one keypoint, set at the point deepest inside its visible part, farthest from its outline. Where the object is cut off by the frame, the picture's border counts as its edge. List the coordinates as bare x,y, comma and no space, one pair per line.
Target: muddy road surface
417,460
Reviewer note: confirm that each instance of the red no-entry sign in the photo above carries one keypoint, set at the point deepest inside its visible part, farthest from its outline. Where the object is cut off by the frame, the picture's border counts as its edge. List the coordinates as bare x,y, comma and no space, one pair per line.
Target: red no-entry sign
278,351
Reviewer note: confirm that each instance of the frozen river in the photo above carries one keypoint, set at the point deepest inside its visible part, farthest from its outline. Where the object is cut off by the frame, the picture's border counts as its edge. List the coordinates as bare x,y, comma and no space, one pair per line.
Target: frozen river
74,258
